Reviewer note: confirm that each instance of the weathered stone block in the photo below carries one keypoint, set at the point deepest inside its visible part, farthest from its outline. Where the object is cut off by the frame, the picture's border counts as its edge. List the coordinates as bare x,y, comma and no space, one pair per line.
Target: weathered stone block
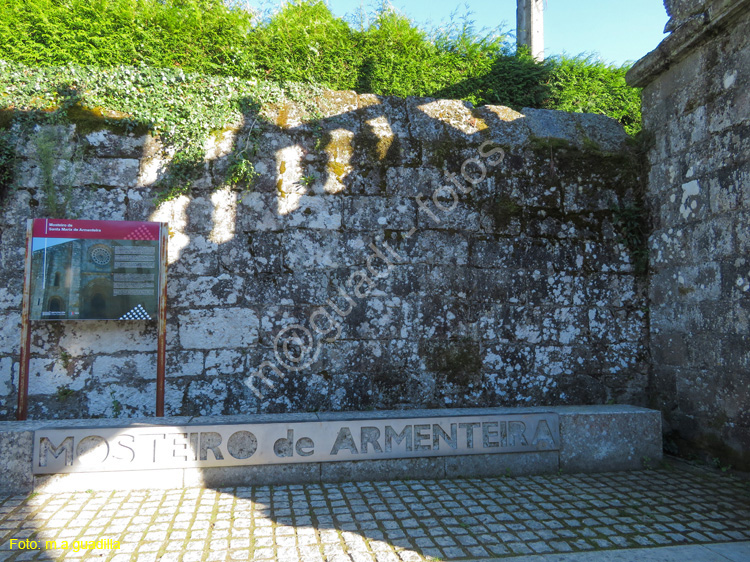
546,124
131,369
606,133
16,442
456,116
258,211
478,466
669,247
278,474
114,172
410,182
10,332
612,438
491,254
438,248
588,197
379,213
447,214
49,376
222,144
223,362
302,287
205,292
108,144
192,255
373,318
309,249
669,348
274,320
443,318
62,483
381,110
505,126
497,285
382,470
252,253
7,375
742,233
133,397
190,364
218,328
736,353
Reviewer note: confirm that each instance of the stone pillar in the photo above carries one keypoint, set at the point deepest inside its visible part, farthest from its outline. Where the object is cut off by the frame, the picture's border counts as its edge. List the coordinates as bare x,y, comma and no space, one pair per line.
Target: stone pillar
530,26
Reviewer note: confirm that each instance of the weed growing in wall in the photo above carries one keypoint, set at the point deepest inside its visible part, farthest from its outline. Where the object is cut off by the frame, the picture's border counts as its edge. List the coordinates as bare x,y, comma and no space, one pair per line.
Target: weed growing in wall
57,176
241,170
7,163
632,224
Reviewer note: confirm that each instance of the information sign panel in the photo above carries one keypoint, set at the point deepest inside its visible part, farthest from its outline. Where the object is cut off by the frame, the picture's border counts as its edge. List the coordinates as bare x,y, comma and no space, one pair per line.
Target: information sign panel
94,270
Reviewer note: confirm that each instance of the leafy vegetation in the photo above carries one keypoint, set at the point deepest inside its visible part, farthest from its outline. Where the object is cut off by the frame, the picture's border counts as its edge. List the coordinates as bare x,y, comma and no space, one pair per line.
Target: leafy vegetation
586,85
304,42
184,109
196,35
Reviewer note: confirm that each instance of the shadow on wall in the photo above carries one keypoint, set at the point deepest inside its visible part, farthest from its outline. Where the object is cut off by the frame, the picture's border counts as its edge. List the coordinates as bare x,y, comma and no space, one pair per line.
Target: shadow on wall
381,257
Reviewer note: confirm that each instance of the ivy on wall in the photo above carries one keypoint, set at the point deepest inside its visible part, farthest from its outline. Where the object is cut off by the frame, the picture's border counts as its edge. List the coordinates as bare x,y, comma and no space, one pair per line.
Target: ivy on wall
182,108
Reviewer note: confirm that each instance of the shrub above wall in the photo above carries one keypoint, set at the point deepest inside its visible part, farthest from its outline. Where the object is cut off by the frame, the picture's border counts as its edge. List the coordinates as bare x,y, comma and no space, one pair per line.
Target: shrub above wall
304,42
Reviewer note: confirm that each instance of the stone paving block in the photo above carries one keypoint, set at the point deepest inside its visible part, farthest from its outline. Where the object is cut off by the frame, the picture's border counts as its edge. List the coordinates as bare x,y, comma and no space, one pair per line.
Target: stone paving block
272,532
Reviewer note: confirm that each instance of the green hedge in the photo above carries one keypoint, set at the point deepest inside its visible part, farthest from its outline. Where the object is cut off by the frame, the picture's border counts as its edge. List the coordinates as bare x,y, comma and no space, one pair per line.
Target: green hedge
305,42
197,35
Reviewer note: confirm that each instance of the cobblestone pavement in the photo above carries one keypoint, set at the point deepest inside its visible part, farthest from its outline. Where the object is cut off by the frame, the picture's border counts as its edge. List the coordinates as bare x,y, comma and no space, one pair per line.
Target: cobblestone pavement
399,521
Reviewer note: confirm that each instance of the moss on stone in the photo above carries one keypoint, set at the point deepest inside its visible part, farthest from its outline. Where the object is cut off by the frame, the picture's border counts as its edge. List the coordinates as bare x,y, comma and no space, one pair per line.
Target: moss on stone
7,116
339,148
91,120
378,148
503,210
282,118
459,361
338,169
549,143
446,152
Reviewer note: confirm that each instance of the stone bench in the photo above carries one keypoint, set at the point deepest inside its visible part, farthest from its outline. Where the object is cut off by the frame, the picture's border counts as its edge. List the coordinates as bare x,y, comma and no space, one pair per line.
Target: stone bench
174,452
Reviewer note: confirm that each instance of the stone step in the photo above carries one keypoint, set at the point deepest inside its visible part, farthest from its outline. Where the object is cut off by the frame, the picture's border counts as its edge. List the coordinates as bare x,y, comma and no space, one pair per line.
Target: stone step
174,452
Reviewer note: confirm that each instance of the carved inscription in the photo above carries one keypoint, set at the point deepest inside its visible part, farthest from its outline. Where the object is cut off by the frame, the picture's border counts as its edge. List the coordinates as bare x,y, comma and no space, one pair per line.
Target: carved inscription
151,447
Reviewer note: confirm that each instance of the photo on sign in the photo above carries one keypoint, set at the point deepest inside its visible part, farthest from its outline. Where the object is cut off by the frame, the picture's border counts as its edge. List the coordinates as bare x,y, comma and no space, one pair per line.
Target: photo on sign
84,278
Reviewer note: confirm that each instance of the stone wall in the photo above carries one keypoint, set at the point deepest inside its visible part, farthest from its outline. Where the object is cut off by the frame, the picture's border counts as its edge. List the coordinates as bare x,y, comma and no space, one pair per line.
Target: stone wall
696,102
428,269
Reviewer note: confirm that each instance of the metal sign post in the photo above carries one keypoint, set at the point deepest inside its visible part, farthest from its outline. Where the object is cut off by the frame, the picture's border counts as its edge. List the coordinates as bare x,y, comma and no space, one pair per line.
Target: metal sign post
23,368
161,345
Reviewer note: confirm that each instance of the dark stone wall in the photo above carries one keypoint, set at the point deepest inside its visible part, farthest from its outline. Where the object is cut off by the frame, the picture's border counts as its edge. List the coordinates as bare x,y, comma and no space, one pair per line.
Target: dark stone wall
507,284
696,103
